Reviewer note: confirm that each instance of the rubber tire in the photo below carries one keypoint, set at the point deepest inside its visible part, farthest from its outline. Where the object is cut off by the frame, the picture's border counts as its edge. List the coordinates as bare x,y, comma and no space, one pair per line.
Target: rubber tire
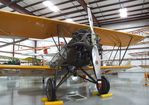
105,86
50,90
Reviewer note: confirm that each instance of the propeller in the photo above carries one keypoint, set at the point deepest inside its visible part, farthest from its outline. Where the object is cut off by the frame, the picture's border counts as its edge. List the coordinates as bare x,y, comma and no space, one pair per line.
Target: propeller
96,59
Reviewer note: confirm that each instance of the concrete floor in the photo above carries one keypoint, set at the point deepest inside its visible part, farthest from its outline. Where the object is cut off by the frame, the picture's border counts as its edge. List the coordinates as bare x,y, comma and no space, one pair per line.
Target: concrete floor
28,91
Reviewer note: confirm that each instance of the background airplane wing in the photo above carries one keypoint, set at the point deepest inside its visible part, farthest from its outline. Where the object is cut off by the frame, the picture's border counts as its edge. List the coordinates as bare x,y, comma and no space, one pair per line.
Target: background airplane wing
20,25
144,66
25,67
111,67
21,70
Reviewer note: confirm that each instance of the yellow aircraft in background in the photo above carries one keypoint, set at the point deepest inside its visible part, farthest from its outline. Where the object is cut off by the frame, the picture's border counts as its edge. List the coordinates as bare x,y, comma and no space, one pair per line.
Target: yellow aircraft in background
86,40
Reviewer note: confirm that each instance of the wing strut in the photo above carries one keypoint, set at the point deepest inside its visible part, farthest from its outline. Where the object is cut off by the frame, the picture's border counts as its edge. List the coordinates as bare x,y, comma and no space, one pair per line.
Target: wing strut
125,51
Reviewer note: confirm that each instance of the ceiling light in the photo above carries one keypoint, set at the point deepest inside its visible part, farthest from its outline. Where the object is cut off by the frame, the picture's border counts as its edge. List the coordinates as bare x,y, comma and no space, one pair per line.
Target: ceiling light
74,78
51,6
123,12
69,20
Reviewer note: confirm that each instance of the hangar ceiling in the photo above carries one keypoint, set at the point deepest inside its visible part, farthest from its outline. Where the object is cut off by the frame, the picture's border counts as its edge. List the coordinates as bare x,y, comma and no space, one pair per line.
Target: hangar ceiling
105,12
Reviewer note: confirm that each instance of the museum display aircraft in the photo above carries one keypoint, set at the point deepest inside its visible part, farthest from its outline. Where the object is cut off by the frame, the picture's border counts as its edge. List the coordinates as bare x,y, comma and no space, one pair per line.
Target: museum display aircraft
39,48
141,54
85,47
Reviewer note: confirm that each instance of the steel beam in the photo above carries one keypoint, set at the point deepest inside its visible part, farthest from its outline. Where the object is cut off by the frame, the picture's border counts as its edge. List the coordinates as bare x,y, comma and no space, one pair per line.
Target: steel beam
112,14
114,18
104,11
112,4
63,14
12,2
18,44
67,8
127,20
124,20
10,52
65,2
137,48
84,5
7,44
61,3
2,6
126,59
15,6
132,27
93,2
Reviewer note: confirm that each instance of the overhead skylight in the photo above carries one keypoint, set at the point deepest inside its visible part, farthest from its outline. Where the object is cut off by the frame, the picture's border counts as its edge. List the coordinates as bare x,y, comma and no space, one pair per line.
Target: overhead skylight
69,21
51,6
123,12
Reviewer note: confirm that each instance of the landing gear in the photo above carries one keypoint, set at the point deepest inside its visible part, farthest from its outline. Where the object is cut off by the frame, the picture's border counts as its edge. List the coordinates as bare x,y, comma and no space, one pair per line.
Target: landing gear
51,90
104,86
78,53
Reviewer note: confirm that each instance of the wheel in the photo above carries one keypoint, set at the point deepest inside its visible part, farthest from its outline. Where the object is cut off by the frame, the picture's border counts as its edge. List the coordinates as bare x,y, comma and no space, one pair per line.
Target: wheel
51,90
104,87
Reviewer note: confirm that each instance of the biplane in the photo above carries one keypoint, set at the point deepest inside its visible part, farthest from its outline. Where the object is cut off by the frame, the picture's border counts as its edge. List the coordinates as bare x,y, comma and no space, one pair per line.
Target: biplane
141,54
83,49
144,64
39,48
146,73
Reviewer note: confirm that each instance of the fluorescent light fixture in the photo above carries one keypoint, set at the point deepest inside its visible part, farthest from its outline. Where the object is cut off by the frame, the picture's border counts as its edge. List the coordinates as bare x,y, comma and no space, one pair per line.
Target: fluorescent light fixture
51,6
123,12
69,21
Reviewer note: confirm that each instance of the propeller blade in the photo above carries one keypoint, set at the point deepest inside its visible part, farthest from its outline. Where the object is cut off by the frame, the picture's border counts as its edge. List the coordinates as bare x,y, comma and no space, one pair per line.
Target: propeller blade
90,18
95,54
96,61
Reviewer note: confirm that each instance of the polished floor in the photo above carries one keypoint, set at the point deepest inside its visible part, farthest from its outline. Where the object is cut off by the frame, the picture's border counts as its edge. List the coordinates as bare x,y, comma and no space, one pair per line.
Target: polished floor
28,91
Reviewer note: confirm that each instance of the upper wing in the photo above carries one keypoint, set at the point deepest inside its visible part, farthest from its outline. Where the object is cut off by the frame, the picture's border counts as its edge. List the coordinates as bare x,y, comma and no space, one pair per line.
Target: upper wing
21,25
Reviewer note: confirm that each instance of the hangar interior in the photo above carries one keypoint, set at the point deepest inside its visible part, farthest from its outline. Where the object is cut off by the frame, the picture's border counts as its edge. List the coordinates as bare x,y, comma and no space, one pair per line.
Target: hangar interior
127,85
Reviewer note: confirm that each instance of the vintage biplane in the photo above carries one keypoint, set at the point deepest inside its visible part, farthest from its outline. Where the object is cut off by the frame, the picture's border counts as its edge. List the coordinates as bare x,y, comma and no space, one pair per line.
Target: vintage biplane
84,48
144,64
39,48
141,54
